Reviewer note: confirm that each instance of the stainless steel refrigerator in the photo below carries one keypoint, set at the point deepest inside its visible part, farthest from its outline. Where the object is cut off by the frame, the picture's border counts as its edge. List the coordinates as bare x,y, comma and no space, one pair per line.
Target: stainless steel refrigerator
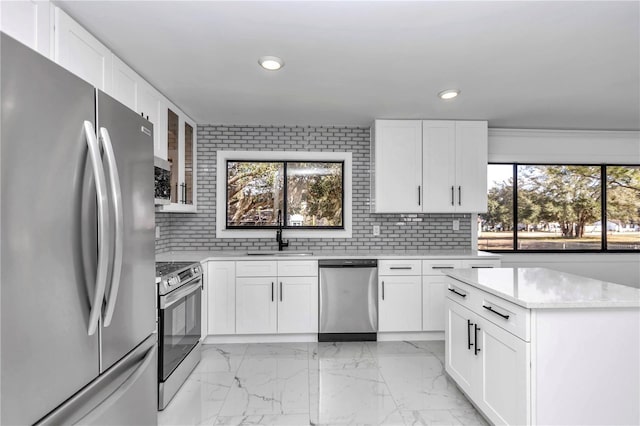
78,342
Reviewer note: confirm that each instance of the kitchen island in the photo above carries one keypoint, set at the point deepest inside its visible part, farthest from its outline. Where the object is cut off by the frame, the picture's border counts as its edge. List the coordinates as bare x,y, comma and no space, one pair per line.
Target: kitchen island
537,346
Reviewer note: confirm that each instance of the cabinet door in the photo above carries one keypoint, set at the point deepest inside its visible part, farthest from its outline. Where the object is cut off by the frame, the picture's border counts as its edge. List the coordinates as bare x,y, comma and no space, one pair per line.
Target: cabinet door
460,361
298,305
125,82
189,165
471,166
433,295
81,53
398,166
400,303
173,154
28,22
149,105
506,375
221,303
438,162
256,307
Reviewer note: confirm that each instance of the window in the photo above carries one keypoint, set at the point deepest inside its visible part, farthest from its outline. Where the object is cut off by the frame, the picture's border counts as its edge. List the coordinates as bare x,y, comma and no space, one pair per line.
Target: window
308,194
561,208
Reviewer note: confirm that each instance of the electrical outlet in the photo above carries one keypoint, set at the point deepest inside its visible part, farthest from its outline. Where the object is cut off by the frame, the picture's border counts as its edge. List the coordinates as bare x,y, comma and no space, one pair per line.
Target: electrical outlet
376,230
157,231
456,225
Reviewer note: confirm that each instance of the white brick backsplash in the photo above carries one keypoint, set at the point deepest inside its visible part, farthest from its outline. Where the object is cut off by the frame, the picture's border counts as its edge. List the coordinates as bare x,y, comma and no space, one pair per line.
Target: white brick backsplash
184,231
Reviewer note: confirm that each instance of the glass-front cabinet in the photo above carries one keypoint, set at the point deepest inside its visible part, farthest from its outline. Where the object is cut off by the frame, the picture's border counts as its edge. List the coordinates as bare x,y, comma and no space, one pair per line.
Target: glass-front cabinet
179,147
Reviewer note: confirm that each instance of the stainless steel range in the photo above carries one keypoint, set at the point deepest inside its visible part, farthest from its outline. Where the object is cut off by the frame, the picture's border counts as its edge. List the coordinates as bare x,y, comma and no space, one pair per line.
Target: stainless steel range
179,323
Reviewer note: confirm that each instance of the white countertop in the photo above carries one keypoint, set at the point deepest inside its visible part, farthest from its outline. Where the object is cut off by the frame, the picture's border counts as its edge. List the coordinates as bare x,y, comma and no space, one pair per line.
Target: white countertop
199,256
545,288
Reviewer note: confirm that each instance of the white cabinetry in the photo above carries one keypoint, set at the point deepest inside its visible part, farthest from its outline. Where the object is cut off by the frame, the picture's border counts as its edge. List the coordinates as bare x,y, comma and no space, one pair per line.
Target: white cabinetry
276,297
397,145
434,285
256,307
429,166
81,53
124,86
399,295
29,22
455,155
490,364
221,297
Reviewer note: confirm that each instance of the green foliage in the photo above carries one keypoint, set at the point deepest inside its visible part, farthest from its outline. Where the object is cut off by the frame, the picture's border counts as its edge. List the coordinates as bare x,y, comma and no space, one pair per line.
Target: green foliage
567,195
255,193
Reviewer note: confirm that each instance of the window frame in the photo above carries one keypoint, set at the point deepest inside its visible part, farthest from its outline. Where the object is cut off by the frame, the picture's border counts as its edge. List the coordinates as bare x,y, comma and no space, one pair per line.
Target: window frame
284,156
603,208
285,187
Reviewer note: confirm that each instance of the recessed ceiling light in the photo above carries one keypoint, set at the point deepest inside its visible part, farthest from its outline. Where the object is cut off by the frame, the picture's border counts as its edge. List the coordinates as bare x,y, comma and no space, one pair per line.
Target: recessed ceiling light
448,94
271,63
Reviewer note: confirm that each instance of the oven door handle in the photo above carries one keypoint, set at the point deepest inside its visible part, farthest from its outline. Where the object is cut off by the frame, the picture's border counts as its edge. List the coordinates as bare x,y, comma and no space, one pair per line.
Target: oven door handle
173,298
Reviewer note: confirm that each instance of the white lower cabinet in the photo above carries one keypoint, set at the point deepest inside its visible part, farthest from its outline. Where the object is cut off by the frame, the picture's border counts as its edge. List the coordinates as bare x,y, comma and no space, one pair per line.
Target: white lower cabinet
504,363
399,303
256,306
433,295
298,305
262,297
221,297
491,365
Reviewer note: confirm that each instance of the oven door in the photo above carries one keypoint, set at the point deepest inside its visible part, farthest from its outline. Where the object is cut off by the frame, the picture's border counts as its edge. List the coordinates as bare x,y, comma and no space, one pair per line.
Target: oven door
180,326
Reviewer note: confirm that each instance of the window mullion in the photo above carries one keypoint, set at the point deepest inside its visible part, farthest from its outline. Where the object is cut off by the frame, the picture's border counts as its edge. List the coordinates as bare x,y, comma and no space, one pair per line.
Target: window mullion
285,196
515,207
604,221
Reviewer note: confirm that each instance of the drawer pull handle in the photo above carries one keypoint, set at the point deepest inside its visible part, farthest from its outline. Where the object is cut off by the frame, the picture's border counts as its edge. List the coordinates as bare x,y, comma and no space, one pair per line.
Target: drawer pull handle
400,267
481,267
442,267
458,293
489,308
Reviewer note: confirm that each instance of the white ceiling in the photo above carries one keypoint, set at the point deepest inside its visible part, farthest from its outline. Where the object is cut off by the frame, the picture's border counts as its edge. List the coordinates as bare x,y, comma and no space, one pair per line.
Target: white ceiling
555,65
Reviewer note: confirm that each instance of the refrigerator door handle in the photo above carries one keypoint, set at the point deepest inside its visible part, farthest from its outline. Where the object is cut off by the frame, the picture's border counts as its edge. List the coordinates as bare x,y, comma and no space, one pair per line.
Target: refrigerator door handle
104,248
92,416
116,195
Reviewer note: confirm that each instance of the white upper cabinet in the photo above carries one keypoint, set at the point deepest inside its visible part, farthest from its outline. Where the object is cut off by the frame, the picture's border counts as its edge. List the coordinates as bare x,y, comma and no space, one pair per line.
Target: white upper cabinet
81,53
397,148
150,104
124,83
29,22
455,155
432,166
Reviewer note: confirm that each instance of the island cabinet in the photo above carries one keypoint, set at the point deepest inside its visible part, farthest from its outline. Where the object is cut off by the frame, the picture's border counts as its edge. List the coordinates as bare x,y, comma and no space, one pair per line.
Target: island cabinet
535,346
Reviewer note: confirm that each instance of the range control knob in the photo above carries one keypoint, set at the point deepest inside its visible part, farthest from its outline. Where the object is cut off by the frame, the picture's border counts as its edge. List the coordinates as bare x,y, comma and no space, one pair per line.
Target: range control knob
173,281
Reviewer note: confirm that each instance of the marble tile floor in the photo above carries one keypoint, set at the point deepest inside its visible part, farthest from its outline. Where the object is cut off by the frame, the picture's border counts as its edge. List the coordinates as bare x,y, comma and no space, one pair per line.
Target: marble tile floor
390,383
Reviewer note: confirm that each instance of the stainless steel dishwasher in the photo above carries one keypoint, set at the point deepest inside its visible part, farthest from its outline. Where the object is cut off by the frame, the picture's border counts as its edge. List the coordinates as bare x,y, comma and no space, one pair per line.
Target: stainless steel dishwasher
348,300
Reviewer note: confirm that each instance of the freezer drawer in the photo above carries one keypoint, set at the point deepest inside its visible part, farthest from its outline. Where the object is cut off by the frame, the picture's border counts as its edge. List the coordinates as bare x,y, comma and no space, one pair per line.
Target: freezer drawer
124,395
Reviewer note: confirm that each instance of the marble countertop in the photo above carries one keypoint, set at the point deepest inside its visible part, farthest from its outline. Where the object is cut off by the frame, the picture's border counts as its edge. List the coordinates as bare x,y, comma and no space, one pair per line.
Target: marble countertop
199,256
538,288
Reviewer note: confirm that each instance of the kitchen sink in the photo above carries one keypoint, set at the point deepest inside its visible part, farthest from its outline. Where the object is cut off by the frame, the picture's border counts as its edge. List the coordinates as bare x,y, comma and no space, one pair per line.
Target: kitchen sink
279,253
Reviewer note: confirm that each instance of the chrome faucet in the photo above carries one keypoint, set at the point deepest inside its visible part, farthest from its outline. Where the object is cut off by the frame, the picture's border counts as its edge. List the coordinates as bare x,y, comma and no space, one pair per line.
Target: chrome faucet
281,243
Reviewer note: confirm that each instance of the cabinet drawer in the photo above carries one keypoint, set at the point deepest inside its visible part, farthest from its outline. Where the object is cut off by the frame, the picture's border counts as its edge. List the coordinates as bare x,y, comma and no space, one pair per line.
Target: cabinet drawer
460,292
506,315
256,268
481,263
437,267
297,268
400,267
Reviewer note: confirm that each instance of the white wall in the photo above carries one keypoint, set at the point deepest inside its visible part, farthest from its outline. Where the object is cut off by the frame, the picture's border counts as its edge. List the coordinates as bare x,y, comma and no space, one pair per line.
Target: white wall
566,147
